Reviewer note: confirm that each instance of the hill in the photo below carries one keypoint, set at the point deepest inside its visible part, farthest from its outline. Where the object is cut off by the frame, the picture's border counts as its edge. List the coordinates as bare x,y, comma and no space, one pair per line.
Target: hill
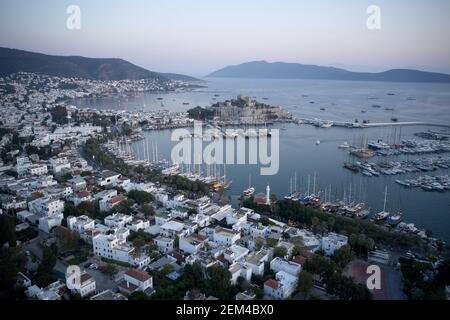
283,70
13,60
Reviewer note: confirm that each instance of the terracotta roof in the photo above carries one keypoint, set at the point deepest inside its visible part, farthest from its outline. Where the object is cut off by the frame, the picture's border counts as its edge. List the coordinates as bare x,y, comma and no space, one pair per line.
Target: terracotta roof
118,199
83,194
271,283
127,286
260,199
85,277
299,259
138,274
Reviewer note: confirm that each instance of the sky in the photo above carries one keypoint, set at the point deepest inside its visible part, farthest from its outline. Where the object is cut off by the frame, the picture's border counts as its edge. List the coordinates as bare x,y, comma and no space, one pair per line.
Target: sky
197,37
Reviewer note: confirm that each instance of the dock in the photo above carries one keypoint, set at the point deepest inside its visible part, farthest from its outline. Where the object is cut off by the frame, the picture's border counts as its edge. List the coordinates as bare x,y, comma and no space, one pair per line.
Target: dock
359,125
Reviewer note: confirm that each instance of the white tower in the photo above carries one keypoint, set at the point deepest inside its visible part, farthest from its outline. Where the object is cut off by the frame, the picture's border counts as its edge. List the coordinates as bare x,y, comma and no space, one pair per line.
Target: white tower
268,195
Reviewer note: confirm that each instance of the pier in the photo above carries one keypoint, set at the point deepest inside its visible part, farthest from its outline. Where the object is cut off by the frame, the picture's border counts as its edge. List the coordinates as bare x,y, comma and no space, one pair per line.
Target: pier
356,125
412,123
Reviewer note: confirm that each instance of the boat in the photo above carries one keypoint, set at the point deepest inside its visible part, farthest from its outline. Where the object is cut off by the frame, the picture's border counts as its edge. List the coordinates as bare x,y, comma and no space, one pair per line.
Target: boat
248,192
345,145
381,216
394,119
395,218
351,167
403,183
366,173
326,124
185,103
362,153
323,109
159,98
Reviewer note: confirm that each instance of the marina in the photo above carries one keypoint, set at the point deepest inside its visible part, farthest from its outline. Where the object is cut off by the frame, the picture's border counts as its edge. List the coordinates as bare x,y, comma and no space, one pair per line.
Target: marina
299,150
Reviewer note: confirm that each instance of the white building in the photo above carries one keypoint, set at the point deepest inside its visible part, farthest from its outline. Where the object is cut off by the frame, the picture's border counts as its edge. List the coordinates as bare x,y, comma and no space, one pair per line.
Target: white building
50,221
109,178
80,224
46,206
192,243
257,260
115,248
81,196
37,169
225,236
164,244
235,253
59,164
87,285
118,220
278,264
281,287
138,224
173,228
136,280
239,270
332,242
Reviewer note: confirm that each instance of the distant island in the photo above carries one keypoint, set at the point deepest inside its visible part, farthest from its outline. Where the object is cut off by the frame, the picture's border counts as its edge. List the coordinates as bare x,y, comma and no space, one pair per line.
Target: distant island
283,70
13,60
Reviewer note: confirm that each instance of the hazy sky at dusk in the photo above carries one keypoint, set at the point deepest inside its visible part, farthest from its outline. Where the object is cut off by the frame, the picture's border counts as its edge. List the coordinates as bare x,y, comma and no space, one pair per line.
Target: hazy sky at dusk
199,36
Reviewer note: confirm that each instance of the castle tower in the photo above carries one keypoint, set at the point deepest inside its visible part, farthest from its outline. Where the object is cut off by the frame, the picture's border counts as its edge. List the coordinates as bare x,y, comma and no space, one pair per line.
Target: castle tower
268,195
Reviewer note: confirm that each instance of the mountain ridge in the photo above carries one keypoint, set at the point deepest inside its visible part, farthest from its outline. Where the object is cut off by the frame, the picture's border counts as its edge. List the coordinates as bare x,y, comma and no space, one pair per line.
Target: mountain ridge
16,60
284,70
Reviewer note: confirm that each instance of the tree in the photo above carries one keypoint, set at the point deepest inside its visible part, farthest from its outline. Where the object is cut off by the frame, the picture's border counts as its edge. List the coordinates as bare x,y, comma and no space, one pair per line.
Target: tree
148,210
48,260
297,250
343,256
44,274
280,252
194,272
59,115
70,210
7,230
305,283
168,268
10,264
219,284
271,242
259,242
320,266
88,208
361,244
109,269
71,240
141,197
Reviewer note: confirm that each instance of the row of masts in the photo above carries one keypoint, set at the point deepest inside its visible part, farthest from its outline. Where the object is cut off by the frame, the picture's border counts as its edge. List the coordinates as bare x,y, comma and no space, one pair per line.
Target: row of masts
143,151
328,194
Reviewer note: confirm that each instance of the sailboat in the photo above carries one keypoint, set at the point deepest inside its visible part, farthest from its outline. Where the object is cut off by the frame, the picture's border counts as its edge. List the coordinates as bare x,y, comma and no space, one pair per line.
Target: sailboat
383,214
393,218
